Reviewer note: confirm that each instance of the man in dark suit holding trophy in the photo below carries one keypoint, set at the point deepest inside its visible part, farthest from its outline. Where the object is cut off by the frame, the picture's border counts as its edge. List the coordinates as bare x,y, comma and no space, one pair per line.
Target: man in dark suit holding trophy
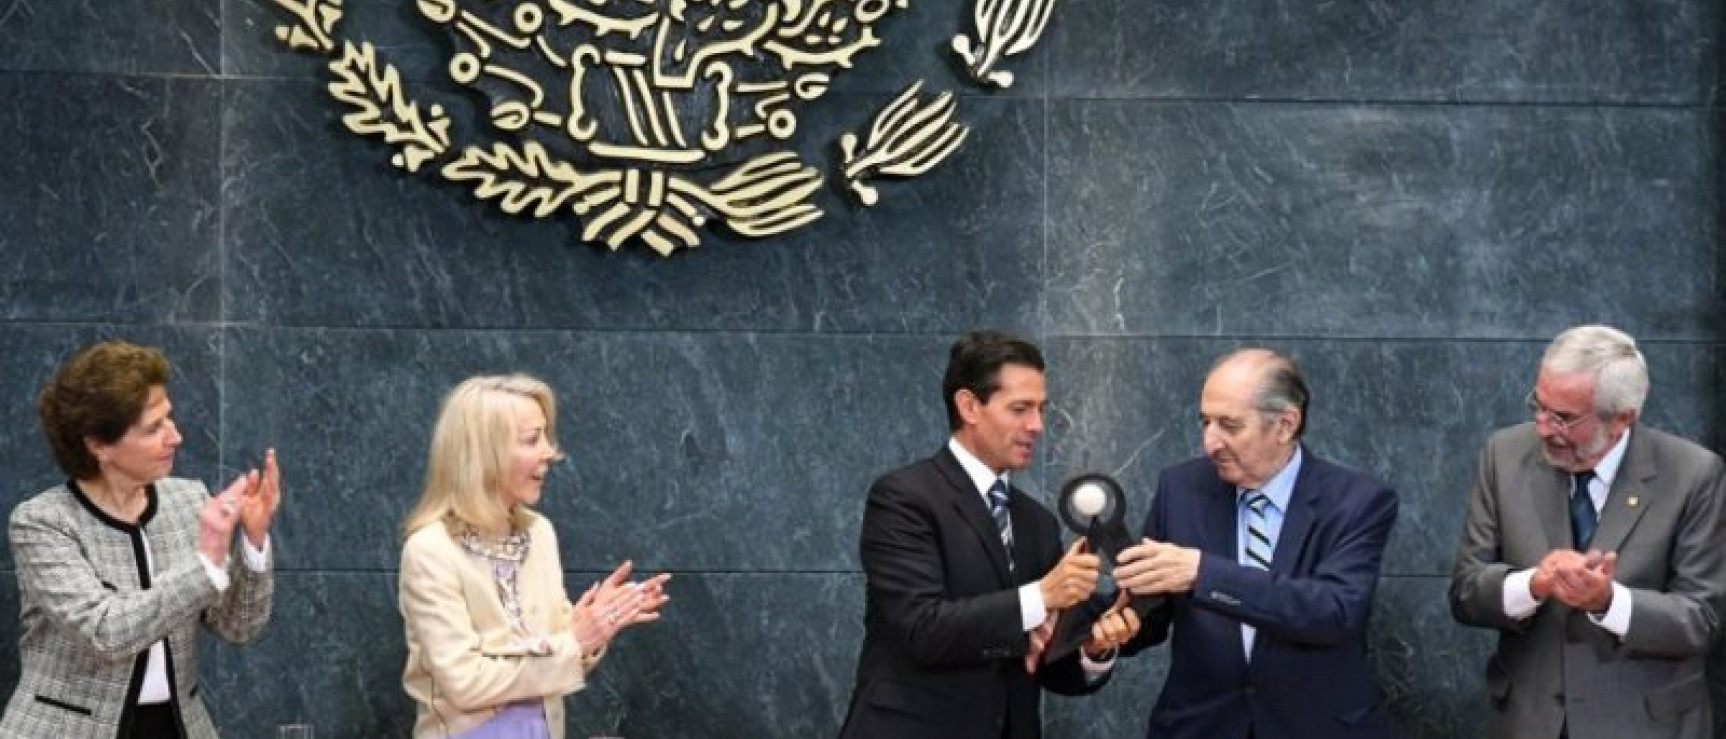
966,574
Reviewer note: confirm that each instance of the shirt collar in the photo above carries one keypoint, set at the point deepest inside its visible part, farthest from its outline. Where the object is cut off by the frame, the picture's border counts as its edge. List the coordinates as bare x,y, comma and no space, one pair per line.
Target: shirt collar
1607,468
1281,485
981,476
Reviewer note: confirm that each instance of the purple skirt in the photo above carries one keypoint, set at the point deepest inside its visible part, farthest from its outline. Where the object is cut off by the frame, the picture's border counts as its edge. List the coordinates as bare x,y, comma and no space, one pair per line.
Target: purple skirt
519,720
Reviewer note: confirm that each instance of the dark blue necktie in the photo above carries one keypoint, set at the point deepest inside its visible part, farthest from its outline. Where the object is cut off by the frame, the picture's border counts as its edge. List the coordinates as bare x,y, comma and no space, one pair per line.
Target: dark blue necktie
1583,519
1003,517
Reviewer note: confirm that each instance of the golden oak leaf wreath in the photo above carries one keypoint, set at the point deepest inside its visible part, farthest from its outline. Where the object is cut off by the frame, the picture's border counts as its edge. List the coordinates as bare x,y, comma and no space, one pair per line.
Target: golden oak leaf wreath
646,119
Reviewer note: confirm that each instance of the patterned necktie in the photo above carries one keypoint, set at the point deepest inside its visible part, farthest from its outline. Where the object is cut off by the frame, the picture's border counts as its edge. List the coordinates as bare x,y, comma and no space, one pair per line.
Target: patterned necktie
1259,545
1003,518
1583,519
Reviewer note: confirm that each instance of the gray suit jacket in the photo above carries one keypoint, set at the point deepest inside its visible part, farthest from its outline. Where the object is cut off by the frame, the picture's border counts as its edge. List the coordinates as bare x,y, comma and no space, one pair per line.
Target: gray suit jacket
1557,668
91,611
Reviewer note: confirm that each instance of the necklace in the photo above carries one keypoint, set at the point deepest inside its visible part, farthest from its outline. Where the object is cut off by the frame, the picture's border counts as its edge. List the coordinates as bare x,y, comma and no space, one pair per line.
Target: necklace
511,548
506,556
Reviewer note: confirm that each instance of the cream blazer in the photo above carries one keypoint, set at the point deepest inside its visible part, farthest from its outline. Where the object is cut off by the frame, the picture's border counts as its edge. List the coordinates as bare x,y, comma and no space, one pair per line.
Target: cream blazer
463,662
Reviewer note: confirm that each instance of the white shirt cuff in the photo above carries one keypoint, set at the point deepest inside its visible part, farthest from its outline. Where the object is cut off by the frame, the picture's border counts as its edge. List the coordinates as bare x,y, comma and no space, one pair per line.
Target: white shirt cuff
1519,603
257,560
1617,616
1096,669
218,575
1031,610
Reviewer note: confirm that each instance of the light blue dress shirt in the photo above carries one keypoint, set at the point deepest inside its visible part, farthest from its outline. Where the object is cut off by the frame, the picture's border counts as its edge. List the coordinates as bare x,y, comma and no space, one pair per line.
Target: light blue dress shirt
1279,489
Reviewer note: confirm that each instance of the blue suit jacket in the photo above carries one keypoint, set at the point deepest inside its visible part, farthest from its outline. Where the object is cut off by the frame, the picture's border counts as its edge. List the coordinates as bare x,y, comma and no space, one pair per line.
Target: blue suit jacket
1309,675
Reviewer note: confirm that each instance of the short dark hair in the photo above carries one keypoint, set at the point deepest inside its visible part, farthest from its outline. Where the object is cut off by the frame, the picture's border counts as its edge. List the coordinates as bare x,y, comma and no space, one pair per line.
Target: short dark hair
974,363
99,393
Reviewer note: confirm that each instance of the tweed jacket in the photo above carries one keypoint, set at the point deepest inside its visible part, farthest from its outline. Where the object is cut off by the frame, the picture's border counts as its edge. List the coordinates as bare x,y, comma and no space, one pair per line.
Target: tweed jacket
91,609
464,661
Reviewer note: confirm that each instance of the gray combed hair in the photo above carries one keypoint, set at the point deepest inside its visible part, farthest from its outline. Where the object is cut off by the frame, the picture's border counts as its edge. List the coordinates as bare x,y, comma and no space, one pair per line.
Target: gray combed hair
1620,372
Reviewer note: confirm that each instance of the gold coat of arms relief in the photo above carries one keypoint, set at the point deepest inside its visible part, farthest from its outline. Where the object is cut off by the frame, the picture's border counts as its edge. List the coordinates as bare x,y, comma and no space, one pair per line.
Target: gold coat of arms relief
647,121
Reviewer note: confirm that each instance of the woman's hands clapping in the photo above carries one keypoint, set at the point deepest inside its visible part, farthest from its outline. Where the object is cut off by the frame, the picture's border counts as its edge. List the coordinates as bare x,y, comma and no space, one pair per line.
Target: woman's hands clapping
219,516
248,503
259,502
614,604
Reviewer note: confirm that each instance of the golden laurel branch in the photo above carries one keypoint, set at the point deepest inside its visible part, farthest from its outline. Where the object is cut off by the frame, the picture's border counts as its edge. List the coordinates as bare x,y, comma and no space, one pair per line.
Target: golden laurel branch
764,196
315,25
372,89
1004,28
905,140
549,185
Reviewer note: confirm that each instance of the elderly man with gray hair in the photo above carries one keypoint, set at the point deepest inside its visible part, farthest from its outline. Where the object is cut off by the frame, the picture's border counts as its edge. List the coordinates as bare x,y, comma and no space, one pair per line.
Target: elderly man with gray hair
1594,547
1266,557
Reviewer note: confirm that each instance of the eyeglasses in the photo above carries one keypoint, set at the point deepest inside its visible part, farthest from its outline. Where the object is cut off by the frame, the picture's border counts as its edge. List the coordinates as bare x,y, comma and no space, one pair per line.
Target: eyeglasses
1564,421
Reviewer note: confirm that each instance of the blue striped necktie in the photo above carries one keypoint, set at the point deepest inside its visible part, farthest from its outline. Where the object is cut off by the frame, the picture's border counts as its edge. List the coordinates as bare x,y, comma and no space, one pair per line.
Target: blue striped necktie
1259,545
1003,518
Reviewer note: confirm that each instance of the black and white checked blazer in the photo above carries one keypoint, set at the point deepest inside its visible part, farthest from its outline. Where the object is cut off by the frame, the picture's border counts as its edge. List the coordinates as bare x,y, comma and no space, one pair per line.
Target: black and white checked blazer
91,611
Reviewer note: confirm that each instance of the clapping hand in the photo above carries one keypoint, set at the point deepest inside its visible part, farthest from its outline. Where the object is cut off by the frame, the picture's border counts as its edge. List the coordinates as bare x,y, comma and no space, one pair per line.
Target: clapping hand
221,512
259,501
614,604
1585,583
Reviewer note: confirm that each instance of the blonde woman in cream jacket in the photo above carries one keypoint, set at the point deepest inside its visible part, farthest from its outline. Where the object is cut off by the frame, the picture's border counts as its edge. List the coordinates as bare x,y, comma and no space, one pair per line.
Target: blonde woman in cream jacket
494,642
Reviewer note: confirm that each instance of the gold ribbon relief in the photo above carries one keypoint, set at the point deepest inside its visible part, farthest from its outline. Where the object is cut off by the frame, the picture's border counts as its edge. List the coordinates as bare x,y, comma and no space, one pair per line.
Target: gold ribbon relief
645,119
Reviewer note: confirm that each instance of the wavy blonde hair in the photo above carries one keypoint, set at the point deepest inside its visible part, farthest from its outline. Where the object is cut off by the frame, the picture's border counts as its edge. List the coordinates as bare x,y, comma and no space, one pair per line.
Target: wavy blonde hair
470,455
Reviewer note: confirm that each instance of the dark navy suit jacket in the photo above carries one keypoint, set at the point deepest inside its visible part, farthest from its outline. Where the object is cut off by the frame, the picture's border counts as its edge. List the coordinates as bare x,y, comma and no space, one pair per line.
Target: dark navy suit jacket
1309,675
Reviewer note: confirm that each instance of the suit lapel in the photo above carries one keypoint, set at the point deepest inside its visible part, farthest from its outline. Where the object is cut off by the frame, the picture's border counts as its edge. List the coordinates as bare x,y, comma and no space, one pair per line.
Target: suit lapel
1220,537
1027,537
1628,498
1221,521
1550,499
968,503
1304,501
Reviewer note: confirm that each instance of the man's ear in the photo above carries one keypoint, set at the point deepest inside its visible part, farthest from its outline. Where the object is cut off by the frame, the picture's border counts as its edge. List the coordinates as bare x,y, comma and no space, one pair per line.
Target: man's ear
1287,422
1628,418
970,408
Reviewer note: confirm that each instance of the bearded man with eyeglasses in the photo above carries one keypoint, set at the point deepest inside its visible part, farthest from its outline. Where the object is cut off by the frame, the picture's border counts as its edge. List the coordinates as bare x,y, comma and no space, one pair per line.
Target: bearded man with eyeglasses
1593,546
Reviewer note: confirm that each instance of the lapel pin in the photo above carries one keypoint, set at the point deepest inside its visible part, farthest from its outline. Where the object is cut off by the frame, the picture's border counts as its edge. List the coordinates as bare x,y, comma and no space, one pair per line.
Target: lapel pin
1632,501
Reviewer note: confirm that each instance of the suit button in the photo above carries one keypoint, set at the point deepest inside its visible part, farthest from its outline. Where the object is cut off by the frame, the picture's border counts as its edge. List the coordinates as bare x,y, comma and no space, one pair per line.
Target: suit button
1249,690
1558,698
